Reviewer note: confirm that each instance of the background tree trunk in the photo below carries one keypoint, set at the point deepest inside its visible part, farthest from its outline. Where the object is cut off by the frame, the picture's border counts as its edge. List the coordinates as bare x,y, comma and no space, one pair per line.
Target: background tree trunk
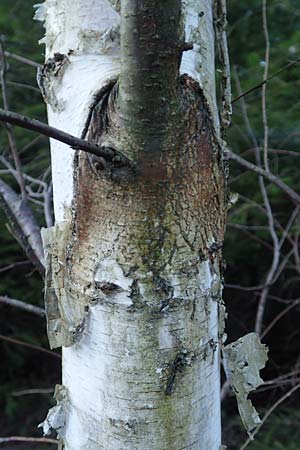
135,267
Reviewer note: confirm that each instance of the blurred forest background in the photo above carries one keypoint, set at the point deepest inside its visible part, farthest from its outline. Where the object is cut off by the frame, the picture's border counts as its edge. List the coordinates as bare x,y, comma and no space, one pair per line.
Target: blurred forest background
262,242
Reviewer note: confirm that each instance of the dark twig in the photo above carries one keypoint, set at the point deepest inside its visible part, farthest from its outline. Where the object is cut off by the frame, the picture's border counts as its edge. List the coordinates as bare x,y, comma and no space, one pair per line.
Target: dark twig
259,85
31,346
272,230
24,226
22,305
14,265
32,392
268,175
41,440
21,59
268,413
10,134
74,142
278,317
24,86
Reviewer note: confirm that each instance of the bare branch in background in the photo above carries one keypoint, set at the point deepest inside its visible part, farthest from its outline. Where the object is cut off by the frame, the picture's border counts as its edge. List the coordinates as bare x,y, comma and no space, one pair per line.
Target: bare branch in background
41,440
259,85
31,346
264,85
32,392
10,134
44,190
278,317
24,225
14,265
272,229
268,175
24,86
272,409
22,305
16,208
21,59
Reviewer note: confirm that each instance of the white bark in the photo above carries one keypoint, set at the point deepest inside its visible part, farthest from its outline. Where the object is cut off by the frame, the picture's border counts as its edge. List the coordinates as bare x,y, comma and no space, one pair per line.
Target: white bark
147,380
199,63
75,28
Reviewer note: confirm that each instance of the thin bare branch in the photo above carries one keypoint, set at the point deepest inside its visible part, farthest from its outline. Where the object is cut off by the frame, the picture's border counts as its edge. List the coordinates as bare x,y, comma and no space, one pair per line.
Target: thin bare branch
74,142
276,151
264,85
276,247
32,392
259,85
244,288
21,59
13,172
24,86
268,413
288,226
291,376
42,440
24,225
22,305
10,134
31,143
278,317
13,265
31,346
268,175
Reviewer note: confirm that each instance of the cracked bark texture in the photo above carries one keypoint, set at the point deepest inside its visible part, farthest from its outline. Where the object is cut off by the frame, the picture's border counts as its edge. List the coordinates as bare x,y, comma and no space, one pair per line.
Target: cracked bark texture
143,263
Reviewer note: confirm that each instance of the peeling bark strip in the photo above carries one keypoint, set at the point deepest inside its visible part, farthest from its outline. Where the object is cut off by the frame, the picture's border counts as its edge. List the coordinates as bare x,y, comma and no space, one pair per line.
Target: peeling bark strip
243,359
65,315
56,417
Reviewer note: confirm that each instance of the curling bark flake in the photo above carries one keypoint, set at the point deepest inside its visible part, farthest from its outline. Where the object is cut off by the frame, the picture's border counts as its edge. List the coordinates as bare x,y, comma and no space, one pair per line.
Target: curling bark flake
141,270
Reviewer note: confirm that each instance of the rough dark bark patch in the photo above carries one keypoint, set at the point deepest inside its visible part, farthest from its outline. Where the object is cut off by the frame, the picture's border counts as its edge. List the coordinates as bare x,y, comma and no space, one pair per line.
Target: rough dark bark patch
188,176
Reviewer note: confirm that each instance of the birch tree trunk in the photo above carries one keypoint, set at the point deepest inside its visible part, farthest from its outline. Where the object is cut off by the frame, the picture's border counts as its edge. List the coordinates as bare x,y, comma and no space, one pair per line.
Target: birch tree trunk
134,260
